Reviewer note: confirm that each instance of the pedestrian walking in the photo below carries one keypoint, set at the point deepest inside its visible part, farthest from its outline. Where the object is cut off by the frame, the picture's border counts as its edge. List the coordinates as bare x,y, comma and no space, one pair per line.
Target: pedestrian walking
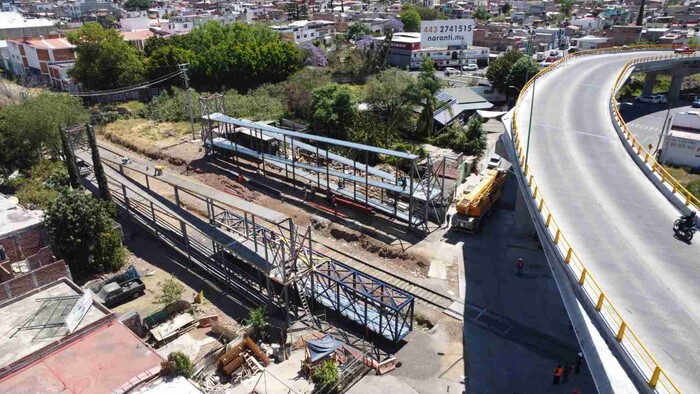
567,372
558,371
579,360
520,264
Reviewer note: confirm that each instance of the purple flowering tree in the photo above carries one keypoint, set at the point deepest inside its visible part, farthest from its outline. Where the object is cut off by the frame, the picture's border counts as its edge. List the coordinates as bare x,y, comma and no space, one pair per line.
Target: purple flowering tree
315,56
366,43
394,25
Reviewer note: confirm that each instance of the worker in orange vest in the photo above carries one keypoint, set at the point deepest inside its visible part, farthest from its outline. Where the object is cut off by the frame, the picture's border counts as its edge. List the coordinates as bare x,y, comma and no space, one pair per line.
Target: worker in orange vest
557,374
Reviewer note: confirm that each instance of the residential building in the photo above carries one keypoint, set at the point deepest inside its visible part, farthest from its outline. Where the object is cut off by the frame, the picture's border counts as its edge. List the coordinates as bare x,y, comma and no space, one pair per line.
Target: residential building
64,341
4,56
458,104
590,42
681,145
303,31
32,56
183,24
406,52
13,25
624,35
58,76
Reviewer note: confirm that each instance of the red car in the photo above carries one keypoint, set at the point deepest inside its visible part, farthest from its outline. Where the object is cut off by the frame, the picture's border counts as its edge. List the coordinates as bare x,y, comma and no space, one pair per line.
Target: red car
684,50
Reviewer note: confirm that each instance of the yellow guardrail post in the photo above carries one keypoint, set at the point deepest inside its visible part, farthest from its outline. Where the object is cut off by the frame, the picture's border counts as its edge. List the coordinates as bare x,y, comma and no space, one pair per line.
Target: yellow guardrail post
601,299
621,331
556,235
549,219
568,255
655,377
582,279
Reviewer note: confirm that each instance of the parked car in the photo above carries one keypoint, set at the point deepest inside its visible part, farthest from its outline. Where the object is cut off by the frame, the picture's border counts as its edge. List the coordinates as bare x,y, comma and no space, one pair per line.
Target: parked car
684,50
494,161
452,71
470,67
113,293
696,103
651,98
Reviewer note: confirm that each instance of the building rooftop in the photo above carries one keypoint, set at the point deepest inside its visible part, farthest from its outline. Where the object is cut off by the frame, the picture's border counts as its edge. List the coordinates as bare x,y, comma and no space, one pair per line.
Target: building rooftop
15,20
32,322
137,35
45,43
13,217
109,359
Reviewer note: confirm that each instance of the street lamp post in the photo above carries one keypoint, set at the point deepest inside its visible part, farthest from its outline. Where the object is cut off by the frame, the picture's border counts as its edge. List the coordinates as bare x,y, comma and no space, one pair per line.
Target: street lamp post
529,126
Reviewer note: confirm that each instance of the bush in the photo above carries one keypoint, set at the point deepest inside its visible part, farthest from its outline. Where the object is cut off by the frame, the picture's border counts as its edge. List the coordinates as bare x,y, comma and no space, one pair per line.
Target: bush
171,107
325,375
694,188
178,364
264,103
469,139
257,318
170,291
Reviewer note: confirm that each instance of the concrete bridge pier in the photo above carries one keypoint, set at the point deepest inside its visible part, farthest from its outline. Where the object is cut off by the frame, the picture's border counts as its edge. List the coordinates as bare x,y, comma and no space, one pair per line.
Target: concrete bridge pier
649,81
674,91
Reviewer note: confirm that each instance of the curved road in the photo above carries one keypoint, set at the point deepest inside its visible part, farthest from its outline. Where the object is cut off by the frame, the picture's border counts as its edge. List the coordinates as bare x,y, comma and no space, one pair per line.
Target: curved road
617,221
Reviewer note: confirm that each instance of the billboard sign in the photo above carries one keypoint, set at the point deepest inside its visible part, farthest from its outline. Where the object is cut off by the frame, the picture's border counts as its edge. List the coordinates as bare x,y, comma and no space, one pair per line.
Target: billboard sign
459,32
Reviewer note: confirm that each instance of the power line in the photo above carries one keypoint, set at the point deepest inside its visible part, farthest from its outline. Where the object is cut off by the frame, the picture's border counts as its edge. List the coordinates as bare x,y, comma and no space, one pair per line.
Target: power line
129,88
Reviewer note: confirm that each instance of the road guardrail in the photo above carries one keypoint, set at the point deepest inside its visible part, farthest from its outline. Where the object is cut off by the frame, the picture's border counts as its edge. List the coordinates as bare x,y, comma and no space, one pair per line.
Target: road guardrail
609,316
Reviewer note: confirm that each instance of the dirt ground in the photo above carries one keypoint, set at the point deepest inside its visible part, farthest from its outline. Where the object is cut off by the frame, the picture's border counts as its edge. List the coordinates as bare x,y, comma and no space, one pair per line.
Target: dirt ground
156,263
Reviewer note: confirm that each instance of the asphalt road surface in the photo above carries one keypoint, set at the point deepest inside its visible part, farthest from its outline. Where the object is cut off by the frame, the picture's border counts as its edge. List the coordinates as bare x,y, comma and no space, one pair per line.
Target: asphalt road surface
617,221
645,121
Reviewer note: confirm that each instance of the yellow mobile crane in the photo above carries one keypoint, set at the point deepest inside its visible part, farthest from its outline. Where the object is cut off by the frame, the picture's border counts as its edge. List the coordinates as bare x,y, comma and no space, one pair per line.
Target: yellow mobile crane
473,206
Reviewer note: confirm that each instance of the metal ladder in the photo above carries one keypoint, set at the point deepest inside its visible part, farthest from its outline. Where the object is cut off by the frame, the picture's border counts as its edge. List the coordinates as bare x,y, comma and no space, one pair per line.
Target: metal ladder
308,316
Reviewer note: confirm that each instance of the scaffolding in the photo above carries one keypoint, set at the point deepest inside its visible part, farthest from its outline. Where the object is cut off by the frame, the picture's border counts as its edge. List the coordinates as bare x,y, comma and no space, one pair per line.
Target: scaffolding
339,168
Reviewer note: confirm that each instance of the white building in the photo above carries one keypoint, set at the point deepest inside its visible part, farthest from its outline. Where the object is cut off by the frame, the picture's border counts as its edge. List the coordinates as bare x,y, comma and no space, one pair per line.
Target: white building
183,24
13,25
302,31
681,145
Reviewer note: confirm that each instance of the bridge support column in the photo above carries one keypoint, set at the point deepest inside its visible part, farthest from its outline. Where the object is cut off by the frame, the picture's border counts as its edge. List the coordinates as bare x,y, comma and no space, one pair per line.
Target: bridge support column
523,221
649,81
674,91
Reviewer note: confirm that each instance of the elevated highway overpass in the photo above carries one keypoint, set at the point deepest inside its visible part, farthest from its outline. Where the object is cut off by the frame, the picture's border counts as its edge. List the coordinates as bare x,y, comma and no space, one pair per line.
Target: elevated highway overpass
607,220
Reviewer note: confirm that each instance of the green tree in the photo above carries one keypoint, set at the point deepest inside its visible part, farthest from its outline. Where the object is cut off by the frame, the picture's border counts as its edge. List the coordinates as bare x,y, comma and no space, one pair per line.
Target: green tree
334,107
566,6
30,129
100,176
481,13
178,364
357,31
428,85
170,291
82,232
103,59
237,55
389,100
426,13
469,139
523,69
165,60
264,103
297,90
69,159
257,318
693,41
411,20
137,4
499,69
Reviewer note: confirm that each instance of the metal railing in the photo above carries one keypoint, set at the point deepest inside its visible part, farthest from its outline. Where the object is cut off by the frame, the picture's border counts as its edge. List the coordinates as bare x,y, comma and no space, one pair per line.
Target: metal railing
611,318
638,148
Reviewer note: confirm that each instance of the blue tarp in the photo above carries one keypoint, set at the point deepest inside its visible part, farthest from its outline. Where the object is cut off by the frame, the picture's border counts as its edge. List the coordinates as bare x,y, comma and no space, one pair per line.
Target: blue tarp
320,348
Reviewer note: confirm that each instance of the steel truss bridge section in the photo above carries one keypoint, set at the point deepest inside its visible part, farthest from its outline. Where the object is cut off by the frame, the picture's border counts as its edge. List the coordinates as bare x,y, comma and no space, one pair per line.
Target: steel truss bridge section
414,197
273,265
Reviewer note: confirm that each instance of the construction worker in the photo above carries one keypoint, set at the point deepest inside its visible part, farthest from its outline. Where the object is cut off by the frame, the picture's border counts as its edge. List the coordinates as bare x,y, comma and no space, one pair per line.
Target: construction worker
520,264
558,371
567,372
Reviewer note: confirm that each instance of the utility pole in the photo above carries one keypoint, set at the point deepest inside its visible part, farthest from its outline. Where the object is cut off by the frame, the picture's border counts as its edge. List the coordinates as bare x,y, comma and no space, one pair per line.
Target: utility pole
186,80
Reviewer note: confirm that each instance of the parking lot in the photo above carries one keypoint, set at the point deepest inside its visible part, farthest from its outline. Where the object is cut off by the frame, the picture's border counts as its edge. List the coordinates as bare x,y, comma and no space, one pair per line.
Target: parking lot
646,120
